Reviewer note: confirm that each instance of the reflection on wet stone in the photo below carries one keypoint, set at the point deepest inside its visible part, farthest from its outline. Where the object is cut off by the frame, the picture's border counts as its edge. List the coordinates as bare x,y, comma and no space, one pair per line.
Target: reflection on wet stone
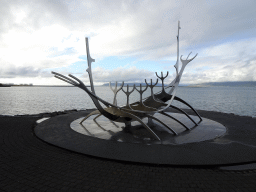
102,128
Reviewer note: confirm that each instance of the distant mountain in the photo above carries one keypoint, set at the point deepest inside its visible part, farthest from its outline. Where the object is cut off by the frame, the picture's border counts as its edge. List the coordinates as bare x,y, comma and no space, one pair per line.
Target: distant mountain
210,84
130,84
229,83
4,85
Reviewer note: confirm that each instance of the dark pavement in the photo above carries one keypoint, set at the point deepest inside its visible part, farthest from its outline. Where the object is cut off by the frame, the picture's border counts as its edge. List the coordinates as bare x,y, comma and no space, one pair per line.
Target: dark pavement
29,164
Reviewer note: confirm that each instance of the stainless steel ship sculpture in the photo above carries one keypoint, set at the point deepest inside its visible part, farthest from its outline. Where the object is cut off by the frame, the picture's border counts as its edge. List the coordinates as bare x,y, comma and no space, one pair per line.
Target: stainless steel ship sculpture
144,108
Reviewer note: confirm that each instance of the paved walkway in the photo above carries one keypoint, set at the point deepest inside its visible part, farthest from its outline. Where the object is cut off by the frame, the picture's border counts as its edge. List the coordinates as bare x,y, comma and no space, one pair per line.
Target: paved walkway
29,164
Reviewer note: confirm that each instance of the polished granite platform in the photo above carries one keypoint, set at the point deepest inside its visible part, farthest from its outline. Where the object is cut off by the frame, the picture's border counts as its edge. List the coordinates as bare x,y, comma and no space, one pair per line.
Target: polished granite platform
29,164
202,145
103,128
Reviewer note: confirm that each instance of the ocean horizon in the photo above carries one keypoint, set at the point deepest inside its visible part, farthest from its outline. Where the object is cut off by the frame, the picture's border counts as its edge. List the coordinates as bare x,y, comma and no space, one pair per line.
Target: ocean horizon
22,100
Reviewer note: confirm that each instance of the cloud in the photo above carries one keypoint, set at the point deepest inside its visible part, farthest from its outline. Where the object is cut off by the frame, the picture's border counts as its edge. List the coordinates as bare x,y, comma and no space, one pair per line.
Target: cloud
232,61
37,36
14,72
120,74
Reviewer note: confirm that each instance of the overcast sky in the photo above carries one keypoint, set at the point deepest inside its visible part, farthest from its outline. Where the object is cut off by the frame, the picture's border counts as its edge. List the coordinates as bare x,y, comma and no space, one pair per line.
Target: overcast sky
130,40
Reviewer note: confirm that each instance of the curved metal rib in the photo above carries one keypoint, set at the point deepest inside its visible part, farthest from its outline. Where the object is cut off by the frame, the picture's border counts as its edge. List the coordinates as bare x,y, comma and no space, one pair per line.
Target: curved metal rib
114,123
86,130
94,98
89,115
174,119
144,125
152,117
176,81
172,92
94,119
99,125
184,102
182,111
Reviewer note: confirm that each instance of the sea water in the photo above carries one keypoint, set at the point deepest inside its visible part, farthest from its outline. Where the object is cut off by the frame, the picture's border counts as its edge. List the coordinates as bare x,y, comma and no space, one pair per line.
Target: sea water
34,100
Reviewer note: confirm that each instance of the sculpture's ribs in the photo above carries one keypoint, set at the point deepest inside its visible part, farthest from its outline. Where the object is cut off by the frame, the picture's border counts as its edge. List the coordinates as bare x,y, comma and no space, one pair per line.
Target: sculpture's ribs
147,107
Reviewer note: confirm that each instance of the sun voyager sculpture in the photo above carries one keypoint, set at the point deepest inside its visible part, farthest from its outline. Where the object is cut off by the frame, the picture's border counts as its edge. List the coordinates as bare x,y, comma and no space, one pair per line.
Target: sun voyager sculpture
156,103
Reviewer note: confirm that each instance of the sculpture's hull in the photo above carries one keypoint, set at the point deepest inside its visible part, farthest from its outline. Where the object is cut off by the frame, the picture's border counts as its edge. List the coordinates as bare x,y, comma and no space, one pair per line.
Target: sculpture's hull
144,108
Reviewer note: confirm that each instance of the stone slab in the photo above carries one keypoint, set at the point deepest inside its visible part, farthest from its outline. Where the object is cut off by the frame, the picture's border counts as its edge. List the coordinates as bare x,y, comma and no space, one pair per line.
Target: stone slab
102,128
57,131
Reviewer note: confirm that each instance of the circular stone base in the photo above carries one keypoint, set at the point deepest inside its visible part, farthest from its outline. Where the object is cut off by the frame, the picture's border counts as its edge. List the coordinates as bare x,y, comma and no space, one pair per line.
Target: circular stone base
189,151
103,128
231,148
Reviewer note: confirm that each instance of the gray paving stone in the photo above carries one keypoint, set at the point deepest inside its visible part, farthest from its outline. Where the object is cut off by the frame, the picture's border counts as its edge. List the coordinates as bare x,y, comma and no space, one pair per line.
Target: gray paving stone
30,164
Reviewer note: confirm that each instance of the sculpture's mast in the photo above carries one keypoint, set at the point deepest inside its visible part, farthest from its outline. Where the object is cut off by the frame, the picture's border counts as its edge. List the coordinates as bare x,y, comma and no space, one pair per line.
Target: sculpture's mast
89,61
178,38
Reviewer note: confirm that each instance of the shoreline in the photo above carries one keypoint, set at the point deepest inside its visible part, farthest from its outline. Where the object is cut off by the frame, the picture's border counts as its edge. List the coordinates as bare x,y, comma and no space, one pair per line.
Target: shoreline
48,114
55,113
